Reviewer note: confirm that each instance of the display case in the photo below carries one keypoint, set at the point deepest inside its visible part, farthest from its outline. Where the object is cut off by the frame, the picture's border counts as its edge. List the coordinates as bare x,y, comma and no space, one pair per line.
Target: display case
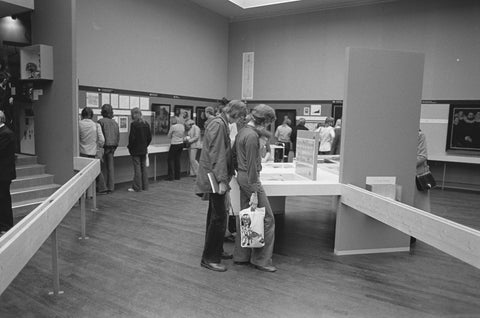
36,62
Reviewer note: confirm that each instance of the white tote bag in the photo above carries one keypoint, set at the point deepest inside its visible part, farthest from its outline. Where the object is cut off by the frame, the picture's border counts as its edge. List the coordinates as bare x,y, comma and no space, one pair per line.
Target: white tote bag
252,227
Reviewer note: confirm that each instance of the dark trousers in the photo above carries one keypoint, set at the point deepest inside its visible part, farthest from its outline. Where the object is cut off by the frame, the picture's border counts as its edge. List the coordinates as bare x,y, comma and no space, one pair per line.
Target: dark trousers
174,155
140,174
6,214
108,167
216,226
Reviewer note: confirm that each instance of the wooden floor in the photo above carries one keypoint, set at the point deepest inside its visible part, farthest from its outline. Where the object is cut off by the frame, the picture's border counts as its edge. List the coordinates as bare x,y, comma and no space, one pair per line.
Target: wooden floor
143,260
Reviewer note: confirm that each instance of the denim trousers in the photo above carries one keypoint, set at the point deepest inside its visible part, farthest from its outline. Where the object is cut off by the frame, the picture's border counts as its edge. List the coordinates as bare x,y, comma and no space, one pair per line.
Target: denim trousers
140,176
257,256
108,168
216,226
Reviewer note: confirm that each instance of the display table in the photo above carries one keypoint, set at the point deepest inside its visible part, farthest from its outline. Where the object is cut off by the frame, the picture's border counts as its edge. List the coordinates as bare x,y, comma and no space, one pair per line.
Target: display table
279,180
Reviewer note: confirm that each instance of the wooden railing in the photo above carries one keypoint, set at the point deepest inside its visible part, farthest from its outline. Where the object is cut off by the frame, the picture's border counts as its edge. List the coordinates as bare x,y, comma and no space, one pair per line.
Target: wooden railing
450,237
19,244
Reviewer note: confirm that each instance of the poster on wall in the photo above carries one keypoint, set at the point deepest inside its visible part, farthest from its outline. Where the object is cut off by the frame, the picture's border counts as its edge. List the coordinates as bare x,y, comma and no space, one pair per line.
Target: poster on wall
123,123
92,100
315,110
247,75
161,118
134,102
105,98
144,103
306,111
114,100
124,101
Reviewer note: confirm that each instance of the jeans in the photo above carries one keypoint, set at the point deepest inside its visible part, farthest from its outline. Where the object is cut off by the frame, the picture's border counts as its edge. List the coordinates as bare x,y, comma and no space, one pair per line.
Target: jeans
108,168
216,226
140,176
257,256
6,214
174,155
192,155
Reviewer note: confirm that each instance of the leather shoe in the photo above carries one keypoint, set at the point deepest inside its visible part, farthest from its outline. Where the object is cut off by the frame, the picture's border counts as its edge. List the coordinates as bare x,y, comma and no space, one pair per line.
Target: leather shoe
268,268
241,263
226,255
217,267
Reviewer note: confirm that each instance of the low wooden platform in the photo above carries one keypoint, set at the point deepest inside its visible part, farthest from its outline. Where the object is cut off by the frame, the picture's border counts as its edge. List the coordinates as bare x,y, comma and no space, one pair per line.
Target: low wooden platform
142,259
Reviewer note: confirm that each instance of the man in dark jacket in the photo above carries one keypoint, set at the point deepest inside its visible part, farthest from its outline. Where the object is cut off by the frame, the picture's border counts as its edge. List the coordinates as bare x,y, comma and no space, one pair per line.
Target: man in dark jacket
138,140
216,160
7,174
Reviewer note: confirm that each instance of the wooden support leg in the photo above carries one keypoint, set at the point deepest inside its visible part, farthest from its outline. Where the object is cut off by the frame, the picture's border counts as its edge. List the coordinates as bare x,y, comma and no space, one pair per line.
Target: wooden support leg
83,218
94,196
55,271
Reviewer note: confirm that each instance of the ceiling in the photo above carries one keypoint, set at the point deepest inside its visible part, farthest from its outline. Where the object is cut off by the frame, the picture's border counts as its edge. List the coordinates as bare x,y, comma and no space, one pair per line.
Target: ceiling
235,13
8,8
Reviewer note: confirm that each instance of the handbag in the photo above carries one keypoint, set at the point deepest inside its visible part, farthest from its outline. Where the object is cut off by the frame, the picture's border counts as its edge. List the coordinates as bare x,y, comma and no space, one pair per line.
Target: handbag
425,181
252,227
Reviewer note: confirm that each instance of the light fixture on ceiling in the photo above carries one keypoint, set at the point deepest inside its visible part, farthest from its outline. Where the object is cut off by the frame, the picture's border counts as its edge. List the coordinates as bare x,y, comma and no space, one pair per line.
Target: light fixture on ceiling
247,4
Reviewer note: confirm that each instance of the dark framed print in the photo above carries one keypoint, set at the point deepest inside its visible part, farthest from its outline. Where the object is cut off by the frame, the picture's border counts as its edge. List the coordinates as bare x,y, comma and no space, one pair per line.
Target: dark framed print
184,111
161,118
337,112
201,118
463,133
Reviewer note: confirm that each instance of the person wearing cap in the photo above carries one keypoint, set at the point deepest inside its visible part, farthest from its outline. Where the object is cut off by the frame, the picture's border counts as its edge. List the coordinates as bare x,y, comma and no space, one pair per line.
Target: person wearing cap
216,160
252,194
193,143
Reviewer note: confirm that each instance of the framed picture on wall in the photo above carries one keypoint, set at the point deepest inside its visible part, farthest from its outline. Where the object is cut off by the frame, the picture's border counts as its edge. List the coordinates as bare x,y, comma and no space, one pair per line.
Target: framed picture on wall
200,117
161,119
463,134
337,110
123,124
306,111
183,111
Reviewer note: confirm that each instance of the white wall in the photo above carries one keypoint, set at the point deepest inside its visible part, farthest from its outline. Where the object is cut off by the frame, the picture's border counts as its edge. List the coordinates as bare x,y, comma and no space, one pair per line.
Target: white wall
165,46
301,57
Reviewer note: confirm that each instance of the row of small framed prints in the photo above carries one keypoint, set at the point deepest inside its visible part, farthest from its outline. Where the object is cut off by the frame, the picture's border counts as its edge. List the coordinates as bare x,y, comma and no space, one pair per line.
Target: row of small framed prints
96,100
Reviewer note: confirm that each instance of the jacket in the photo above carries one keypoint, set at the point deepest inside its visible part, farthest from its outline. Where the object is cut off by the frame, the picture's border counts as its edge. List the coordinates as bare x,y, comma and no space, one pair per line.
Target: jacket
216,155
111,132
139,138
91,137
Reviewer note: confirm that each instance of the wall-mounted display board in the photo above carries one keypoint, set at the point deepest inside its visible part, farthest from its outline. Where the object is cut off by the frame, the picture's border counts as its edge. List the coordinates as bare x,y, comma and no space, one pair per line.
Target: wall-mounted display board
184,111
156,108
307,152
36,62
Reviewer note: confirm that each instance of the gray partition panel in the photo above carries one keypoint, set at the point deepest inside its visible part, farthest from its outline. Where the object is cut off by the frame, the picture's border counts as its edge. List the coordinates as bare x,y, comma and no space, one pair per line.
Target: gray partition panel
380,124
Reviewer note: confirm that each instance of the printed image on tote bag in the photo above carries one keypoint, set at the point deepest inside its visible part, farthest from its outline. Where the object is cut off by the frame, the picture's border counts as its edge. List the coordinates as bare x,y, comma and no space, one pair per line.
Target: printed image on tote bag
252,227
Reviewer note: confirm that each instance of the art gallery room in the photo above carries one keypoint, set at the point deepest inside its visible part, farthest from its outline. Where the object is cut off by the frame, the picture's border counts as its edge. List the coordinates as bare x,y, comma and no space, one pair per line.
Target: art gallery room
361,145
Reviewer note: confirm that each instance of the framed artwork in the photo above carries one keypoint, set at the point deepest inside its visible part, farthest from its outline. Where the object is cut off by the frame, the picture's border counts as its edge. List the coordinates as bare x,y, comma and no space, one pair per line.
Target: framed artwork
316,110
463,133
337,110
281,114
123,124
306,111
161,119
183,111
201,118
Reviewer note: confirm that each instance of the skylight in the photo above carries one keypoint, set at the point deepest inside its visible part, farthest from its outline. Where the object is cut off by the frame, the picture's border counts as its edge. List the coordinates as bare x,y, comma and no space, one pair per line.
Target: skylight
246,4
